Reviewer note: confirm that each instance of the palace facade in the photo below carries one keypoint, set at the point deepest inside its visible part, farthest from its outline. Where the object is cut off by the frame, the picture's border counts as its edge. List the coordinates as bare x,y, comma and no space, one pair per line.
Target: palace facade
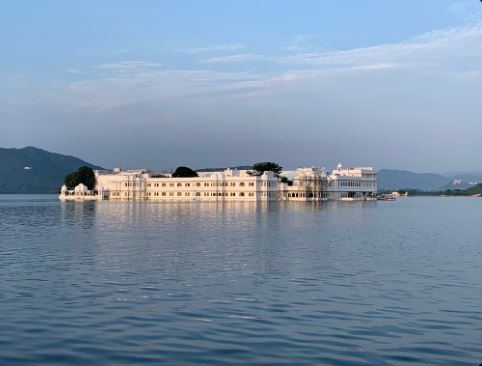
307,184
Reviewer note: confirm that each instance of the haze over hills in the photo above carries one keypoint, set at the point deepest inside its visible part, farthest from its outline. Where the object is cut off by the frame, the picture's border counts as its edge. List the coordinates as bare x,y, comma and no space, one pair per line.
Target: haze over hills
33,170
389,179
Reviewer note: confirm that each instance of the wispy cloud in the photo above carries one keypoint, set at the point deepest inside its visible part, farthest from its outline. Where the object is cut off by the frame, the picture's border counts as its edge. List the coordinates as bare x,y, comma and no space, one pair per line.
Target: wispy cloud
128,89
243,57
299,42
130,65
216,48
74,70
427,47
467,10
453,52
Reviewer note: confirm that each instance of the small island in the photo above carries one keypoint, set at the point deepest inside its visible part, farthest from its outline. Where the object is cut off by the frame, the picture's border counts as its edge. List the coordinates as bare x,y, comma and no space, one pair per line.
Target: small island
264,181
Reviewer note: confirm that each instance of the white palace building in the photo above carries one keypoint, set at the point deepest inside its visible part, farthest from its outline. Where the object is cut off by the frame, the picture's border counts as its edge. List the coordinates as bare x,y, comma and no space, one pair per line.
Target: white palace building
307,184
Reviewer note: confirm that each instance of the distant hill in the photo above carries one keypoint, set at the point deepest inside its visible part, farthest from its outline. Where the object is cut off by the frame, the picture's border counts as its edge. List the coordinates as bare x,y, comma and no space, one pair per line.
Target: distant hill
464,180
33,170
403,179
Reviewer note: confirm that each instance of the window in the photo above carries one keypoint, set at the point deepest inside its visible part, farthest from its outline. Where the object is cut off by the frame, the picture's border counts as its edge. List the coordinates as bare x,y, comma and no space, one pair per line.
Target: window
251,194
251,184
198,184
163,184
241,184
179,184
171,184
171,193
198,193
241,194
163,194
179,193
187,185
186,194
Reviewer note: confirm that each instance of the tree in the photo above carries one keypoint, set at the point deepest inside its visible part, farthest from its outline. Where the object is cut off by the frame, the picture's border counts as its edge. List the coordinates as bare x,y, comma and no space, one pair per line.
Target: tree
84,175
284,179
265,166
184,172
71,180
87,176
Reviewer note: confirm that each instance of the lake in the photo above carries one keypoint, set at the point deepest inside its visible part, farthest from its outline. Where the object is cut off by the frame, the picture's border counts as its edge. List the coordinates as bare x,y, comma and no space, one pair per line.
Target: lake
149,283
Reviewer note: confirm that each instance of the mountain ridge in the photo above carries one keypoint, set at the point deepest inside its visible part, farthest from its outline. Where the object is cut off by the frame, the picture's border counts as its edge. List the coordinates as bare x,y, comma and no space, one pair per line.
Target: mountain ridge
34,170
392,179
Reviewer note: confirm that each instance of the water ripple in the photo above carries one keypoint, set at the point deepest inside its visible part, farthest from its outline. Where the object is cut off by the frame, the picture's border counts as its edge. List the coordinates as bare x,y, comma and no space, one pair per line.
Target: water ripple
286,284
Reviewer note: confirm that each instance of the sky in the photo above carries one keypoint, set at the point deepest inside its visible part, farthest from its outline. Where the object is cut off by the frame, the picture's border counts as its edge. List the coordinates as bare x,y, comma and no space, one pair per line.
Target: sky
157,84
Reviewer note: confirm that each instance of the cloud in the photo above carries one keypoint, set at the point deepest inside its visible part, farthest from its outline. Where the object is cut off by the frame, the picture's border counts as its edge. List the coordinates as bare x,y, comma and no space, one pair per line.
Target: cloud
129,65
234,58
299,42
447,49
155,85
447,53
309,103
74,70
423,48
468,10
216,48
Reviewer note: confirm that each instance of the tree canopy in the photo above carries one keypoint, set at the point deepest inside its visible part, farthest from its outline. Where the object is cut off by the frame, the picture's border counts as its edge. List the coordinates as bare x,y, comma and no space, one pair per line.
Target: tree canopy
265,166
84,175
184,172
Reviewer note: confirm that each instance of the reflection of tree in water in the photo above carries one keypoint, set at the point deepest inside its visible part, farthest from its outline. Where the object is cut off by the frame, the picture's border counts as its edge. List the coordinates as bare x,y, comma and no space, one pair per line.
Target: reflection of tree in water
79,214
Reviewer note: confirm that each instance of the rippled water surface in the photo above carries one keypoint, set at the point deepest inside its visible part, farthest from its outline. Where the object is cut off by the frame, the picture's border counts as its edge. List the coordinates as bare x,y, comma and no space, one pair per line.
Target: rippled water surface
374,283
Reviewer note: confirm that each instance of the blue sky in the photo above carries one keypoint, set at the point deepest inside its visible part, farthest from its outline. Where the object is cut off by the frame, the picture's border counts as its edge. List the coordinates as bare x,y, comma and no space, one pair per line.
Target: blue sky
211,83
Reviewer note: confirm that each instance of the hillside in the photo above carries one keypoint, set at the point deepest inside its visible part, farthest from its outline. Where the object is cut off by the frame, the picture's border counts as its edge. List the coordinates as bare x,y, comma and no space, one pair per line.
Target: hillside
403,179
46,173
474,190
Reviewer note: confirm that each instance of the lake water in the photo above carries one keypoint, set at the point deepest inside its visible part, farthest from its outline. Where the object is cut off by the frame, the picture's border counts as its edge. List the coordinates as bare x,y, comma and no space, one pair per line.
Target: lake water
110,283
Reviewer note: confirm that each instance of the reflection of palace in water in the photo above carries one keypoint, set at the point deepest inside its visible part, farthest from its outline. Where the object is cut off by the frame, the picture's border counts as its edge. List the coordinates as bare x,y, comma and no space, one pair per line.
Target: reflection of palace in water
306,184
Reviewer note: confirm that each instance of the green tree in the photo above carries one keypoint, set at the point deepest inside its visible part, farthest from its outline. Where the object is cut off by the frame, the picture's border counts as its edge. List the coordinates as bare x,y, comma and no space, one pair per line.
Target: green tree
71,180
265,166
84,175
284,179
184,172
87,176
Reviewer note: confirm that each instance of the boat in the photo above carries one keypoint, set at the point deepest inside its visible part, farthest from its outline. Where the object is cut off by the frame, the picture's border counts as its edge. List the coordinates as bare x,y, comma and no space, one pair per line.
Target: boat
386,197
